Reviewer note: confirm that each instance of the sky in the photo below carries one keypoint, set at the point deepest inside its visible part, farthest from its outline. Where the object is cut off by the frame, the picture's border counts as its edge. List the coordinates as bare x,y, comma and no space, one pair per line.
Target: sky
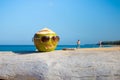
90,21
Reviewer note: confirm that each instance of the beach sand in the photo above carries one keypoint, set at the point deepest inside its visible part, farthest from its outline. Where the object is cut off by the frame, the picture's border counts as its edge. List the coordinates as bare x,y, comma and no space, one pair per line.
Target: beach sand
102,49
75,64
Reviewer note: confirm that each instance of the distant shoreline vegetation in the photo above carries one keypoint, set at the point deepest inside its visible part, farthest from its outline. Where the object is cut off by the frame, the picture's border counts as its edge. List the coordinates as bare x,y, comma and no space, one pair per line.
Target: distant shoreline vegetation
110,42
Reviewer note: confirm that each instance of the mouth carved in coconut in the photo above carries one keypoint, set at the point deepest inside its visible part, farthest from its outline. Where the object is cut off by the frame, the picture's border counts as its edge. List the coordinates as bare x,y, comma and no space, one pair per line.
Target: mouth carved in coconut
46,40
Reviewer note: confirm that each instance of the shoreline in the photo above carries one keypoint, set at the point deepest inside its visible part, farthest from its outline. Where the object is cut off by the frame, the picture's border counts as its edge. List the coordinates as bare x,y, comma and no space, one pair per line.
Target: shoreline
113,48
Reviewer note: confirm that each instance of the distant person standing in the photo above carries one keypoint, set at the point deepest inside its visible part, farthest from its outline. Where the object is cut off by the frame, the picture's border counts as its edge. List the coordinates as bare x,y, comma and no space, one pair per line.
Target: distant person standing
100,43
78,44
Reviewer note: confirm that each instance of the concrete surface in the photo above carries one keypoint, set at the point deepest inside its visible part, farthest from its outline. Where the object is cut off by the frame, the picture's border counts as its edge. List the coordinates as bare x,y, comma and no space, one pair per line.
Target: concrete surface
61,65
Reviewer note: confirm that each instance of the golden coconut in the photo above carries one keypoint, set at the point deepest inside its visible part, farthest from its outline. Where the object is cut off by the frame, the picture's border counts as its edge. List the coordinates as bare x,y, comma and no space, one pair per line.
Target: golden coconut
46,40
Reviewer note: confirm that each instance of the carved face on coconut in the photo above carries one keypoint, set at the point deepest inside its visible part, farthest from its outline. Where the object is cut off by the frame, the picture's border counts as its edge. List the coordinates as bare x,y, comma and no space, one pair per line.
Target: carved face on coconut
46,40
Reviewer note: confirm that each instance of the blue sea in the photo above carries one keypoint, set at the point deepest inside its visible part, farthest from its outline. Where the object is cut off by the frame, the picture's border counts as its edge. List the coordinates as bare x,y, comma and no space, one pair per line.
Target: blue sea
30,48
